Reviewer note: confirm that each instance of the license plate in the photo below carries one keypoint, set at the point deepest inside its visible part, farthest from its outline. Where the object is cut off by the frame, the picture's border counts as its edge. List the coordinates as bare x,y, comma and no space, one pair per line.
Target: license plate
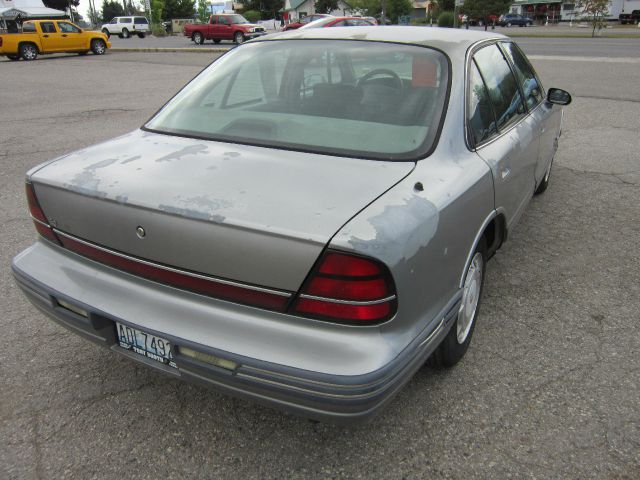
145,344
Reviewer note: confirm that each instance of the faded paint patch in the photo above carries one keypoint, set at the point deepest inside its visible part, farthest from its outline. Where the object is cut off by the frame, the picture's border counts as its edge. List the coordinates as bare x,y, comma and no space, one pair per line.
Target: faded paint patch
184,152
400,231
132,159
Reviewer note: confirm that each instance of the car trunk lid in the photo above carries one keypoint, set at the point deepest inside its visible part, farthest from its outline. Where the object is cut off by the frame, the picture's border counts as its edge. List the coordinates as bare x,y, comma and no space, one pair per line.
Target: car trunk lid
248,214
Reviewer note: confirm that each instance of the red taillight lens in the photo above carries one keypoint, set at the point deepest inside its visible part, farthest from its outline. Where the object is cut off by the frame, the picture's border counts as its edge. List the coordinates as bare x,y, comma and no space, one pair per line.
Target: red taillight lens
348,288
39,220
197,283
34,206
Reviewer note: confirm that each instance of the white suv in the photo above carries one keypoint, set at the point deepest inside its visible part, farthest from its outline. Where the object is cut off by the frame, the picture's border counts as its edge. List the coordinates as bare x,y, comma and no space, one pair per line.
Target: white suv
124,27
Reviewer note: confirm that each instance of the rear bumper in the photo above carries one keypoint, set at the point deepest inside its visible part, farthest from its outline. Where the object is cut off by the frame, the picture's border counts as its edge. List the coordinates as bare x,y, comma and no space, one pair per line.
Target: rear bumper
322,396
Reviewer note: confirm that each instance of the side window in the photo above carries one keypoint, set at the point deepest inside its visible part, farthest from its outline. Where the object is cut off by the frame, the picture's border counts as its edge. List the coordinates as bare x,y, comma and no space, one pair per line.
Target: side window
125,20
482,123
342,23
48,27
28,27
68,28
113,21
527,79
223,21
501,84
247,87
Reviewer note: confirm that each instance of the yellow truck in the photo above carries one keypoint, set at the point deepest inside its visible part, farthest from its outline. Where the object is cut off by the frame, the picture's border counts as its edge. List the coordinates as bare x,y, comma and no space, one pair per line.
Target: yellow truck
51,36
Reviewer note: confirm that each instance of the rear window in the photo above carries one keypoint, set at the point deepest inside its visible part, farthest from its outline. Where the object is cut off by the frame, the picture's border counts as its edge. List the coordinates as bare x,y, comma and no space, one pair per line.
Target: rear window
382,101
140,20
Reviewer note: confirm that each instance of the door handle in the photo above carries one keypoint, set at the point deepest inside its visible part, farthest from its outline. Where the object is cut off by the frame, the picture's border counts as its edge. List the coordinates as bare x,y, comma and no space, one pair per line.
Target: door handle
45,36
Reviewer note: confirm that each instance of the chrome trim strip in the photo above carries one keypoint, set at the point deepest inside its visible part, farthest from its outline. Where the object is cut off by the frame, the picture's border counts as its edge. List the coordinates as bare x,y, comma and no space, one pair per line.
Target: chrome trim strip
348,302
174,270
40,222
434,333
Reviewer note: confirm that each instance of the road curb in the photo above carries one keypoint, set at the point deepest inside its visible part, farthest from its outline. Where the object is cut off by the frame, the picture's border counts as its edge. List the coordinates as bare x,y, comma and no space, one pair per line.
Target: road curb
171,49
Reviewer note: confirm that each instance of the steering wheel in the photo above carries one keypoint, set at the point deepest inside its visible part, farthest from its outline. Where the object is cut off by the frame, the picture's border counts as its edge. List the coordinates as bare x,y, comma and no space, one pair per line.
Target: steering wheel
397,81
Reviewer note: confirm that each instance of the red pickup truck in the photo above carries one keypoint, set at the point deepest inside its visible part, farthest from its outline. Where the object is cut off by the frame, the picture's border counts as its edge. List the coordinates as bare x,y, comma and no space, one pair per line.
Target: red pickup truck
223,27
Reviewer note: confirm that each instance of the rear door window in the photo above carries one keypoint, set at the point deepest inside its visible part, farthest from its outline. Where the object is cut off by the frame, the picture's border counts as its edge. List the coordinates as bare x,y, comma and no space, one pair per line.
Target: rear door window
527,78
47,27
481,119
501,85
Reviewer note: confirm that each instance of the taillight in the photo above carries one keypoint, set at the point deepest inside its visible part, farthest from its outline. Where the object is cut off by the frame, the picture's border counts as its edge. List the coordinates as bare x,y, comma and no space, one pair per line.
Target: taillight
37,215
348,288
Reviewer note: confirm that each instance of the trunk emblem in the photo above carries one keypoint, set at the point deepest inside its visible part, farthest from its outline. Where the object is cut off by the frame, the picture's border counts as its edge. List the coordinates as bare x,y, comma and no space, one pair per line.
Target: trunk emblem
140,232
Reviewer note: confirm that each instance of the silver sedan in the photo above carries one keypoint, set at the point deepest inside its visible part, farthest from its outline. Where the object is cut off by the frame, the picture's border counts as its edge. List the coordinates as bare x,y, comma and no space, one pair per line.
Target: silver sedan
307,222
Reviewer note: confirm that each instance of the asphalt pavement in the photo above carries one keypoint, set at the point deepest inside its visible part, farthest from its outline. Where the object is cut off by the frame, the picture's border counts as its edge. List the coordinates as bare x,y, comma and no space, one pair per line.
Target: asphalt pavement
550,387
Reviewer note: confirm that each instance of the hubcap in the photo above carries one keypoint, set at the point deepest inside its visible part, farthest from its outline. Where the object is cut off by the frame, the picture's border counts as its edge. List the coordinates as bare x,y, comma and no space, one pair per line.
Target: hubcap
470,298
29,52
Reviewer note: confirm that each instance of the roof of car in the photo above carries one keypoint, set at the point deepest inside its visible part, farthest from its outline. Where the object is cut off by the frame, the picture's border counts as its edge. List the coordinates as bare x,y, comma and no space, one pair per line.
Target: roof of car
443,38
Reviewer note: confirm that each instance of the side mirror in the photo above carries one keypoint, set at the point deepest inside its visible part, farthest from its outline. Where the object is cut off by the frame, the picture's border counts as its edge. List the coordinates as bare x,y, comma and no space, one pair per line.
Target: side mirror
558,96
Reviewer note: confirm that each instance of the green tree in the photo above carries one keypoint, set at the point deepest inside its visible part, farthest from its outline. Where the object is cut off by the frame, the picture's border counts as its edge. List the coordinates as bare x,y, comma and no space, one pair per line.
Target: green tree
178,9
326,6
596,10
60,4
203,11
267,8
481,9
110,9
398,8
156,11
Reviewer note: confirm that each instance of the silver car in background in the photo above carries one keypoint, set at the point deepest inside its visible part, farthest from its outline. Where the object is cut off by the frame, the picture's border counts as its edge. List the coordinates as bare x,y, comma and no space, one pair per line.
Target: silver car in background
307,221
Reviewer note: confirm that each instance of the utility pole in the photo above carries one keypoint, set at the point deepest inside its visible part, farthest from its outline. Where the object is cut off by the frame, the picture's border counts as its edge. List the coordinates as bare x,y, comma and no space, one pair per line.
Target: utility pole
383,14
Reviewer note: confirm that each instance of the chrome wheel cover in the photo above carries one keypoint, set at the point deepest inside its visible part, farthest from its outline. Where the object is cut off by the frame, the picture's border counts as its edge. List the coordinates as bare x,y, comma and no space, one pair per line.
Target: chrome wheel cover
99,47
29,52
470,297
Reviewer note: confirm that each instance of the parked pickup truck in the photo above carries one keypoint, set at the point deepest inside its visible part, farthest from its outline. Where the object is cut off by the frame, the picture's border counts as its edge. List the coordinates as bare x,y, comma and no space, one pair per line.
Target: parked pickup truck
51,36
633,17
223,27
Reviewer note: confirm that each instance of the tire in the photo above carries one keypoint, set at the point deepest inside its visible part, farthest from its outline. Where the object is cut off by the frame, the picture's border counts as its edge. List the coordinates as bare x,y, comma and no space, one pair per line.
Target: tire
238,38
106,32
98,47
217,40
141,35
13,58
28,51
125,33
457,341
544,184
197,38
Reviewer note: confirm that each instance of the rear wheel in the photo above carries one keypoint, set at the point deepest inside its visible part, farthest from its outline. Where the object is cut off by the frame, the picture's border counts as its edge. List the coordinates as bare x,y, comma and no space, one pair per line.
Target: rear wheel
457,341
106,32
197,38
238,38
28,51
13,58
98,47
125,33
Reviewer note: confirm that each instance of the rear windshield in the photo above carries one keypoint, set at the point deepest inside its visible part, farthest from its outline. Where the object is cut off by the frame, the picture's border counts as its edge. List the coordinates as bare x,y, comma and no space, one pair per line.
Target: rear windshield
355,98
139,20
